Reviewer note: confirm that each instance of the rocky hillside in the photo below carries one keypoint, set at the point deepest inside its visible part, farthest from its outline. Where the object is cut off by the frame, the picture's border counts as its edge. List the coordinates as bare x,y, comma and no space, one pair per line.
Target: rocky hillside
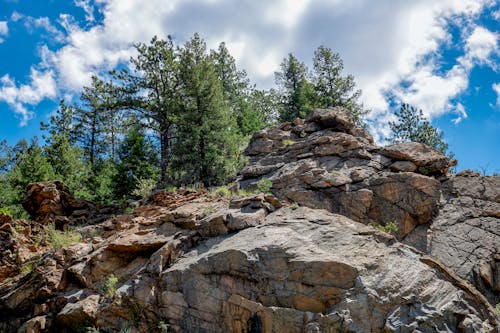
354,238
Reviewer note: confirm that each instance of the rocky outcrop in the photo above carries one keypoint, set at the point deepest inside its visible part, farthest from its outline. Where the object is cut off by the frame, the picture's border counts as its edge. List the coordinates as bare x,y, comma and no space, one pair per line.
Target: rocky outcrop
465,235
328,162
52,202
245,265
306,258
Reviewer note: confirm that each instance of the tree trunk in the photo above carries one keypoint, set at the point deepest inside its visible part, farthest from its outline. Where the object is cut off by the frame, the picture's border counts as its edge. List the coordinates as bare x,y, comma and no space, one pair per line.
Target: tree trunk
164,154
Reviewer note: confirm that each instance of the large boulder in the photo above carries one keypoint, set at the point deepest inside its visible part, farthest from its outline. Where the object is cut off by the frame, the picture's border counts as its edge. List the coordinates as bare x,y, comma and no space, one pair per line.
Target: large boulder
52,202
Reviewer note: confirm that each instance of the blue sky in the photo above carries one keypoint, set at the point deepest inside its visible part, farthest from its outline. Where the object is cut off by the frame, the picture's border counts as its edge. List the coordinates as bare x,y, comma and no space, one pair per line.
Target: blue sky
441,56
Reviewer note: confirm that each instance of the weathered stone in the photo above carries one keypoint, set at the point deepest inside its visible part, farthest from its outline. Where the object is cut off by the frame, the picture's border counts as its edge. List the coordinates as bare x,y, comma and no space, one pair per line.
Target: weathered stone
427,159
82,312
302,263
464,235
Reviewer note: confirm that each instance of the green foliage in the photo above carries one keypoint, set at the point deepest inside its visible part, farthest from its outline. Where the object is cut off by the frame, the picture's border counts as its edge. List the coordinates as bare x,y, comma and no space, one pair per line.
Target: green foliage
412,126
207,149
223,191
62,153
108,287
28,165
5,211
125,328
264,185
295,89
390,227
136,169
288,142
26,269
91,329
331,88
144,187
56,239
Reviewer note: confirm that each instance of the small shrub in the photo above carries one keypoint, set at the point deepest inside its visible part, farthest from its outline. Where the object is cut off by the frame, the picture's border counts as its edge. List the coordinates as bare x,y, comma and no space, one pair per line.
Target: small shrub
264,185
5,211
288,142
294,206
26,269
390,227
163,327
109,286
170,188
93,233
128,210
19,228
125,328
144,187
59,239
222,191
91,330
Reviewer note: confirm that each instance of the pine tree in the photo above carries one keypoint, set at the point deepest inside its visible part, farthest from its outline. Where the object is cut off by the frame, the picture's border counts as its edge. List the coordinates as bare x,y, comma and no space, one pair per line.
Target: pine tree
90,121
152,91
62,153
207,142
30,165
331,88
297,91
136,160
412,126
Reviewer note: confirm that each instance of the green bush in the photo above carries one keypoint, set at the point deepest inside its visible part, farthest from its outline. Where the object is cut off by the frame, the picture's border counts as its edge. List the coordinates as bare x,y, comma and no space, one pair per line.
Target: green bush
109,286
223,191
288,142
5,211
264,185
59,239
144,187
390,227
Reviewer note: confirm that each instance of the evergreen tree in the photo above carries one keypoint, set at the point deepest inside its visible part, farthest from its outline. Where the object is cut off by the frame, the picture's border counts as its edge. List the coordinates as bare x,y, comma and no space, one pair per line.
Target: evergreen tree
331,88
62,153
90,121
136,160
412,126
30,165
153,92
207,144
297,91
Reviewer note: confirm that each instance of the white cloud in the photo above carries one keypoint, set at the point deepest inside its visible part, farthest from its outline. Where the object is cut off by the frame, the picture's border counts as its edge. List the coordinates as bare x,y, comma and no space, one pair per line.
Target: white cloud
33,24
479,46
496,89
382,43
461,113
4,30
42,85
87,8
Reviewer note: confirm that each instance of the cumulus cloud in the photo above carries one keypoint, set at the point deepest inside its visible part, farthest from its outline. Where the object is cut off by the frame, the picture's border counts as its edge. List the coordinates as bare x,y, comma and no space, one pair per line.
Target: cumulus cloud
496,89
42,85
87,8
33,24
391,47
4,30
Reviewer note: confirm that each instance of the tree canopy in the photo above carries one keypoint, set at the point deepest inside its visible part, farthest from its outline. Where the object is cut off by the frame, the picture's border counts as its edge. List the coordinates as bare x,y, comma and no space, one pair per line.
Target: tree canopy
412,126
177,115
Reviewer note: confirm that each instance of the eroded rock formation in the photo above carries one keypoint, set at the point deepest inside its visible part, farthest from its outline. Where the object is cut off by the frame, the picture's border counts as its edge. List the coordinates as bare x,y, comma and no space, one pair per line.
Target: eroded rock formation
197,262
